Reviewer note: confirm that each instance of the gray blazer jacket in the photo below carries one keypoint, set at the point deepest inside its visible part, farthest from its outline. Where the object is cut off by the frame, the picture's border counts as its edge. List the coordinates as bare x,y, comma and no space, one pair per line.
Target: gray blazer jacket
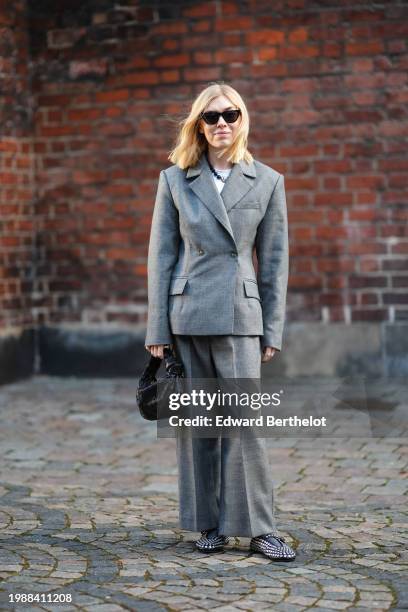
201,275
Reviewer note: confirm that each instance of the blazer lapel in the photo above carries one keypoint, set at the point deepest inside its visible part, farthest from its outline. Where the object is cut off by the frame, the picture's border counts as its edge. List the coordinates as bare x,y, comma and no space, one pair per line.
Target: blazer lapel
204,187
239,182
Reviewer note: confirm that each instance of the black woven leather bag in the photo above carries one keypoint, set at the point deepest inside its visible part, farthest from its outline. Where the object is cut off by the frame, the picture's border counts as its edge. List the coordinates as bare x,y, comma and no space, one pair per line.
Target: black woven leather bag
149,386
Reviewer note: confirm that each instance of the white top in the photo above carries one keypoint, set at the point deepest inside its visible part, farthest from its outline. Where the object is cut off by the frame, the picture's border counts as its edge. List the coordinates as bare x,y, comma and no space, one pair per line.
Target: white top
224,173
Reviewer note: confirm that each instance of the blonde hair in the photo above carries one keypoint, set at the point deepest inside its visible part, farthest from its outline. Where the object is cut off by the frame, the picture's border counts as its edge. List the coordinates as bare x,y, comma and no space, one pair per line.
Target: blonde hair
191,144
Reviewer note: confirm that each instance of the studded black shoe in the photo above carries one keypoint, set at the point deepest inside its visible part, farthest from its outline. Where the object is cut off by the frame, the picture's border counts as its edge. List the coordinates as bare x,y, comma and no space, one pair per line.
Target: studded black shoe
273,547
211,541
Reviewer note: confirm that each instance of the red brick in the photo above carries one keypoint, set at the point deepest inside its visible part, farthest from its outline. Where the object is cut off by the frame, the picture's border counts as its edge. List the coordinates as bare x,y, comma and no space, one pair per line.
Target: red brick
169,28
144,77
302,233
113,111
65,285
231,39
169,44
265,37
334,264
395,264
116,129
398,181
119,223
227,56
306,250
172,61
362,214
9,146
369,264
125,253
267,53
372,47
401,248
401,314
201,74
329,233
357,282
300,183
366,197
300,150
366,248
170,76
328,166
365,182
62,130
395,298
203,57
374,314
291,52
10,241
85,178
83,114
140,270
400,281
388,231
58,100
233,23
360,232
331,299
201,26
204,9
331,49
337,314
304,282
298,35
304,216
117,95
367,299
300,266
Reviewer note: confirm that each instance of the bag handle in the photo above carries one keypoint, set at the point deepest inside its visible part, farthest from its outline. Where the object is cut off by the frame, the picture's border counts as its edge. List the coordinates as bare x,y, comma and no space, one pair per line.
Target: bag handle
173,367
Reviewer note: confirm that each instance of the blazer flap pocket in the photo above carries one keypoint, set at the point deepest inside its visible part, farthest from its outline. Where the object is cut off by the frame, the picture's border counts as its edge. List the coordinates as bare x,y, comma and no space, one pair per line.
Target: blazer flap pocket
247,204
251,289
177,285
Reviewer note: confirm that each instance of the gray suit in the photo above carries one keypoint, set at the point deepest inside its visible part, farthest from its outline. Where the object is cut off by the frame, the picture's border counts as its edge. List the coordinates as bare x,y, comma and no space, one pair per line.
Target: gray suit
224,481
205,298
201,276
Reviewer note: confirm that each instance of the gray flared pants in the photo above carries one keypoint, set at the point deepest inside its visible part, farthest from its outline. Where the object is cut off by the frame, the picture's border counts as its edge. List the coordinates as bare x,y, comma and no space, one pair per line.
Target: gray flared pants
224,482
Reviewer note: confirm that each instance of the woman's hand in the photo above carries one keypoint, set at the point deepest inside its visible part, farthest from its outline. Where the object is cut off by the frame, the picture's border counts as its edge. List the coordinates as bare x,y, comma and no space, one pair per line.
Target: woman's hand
157,349
267,353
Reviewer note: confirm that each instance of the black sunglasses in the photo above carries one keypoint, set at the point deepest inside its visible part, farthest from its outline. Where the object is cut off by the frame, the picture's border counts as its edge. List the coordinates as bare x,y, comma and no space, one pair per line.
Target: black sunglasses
230,116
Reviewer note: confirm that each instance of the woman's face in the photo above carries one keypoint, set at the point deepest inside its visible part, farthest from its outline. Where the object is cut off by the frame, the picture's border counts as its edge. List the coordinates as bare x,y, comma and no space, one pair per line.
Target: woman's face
222,134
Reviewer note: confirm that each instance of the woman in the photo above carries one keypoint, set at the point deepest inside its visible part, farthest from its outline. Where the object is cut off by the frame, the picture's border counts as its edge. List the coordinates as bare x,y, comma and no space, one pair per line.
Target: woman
213,207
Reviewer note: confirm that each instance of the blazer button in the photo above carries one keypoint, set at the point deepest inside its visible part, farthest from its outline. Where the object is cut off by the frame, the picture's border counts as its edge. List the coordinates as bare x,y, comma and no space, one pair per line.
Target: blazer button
233,254
200,252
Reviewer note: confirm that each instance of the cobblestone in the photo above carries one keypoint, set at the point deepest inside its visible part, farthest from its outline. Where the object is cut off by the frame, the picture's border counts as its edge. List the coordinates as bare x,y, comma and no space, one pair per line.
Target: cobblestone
88,507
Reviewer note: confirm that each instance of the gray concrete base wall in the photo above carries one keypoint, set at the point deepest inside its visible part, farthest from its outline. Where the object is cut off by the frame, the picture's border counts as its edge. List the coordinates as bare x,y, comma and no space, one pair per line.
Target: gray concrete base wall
309,349
17,354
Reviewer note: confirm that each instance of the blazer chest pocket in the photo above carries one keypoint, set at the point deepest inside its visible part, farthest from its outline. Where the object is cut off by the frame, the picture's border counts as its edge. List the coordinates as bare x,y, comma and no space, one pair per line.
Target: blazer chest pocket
247,206
251,289
178,285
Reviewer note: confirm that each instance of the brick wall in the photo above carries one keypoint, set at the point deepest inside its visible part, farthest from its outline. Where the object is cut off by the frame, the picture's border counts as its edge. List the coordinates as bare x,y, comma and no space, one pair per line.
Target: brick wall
327,91
326,88
17,231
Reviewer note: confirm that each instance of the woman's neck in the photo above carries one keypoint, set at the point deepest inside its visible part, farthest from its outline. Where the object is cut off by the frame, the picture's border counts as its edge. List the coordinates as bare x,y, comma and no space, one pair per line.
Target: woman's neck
220,163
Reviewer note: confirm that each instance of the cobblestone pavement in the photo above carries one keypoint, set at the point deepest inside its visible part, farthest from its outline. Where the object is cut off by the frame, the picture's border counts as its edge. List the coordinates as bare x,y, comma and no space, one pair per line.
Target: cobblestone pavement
88,507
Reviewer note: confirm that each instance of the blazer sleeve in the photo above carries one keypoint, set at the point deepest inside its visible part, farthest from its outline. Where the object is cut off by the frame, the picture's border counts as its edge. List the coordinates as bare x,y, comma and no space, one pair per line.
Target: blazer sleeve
272,249
162,256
